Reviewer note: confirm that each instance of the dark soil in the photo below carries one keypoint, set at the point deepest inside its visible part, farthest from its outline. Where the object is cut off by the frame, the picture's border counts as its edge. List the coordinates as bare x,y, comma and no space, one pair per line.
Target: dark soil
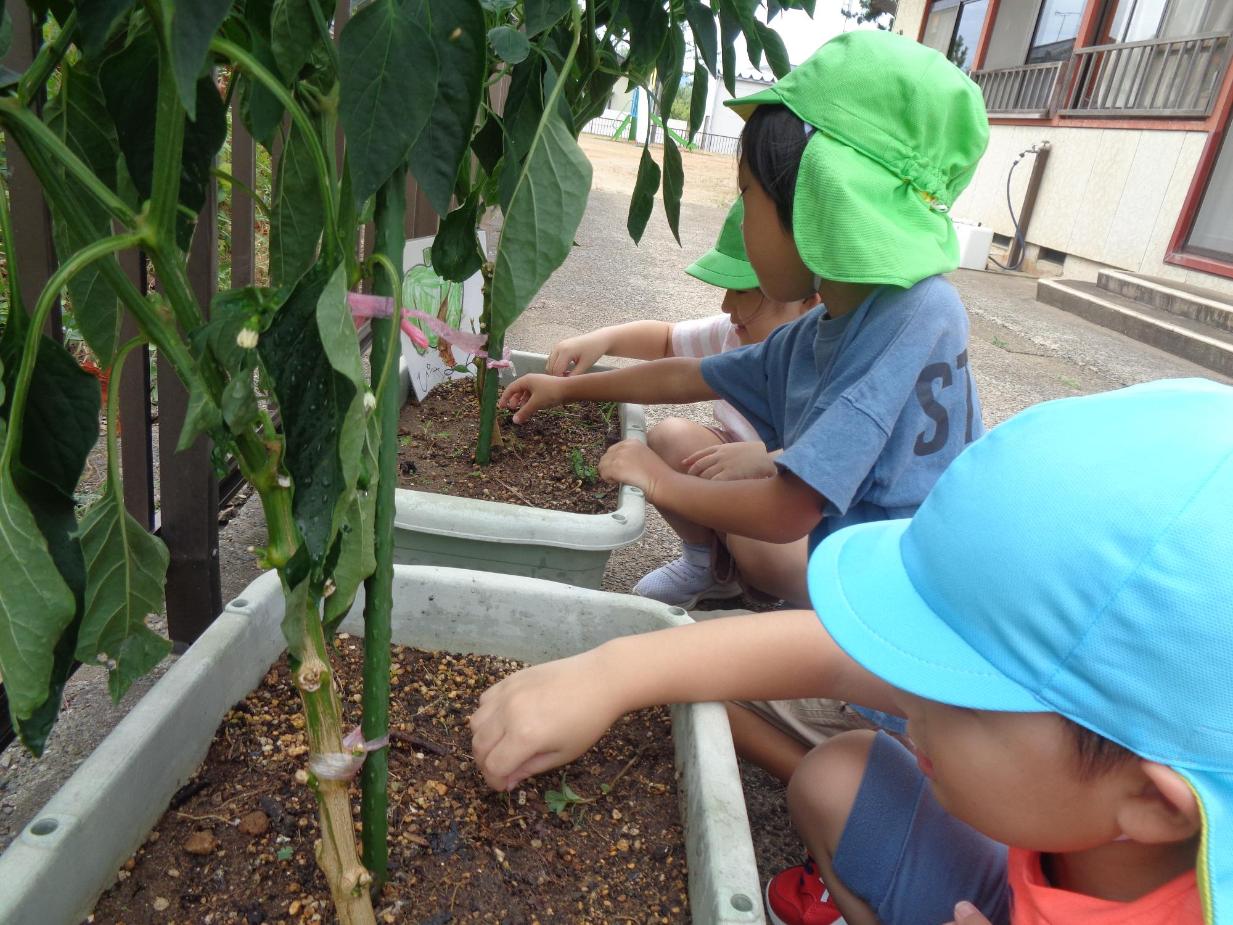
236,844
548,462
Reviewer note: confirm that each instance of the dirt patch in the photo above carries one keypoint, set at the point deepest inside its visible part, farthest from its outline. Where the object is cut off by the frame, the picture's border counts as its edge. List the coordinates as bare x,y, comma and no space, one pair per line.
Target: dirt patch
710,179
549,462
236,845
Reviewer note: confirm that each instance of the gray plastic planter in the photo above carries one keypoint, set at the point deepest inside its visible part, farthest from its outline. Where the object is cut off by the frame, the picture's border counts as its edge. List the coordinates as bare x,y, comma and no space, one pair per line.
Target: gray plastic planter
54,871
432,529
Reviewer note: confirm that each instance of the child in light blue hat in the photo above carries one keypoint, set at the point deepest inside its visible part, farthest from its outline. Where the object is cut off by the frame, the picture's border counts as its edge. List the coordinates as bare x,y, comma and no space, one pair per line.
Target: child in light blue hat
1055,623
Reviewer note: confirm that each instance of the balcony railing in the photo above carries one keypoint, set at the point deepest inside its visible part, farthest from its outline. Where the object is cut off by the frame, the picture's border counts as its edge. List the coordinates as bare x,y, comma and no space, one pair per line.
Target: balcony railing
1028,90
1169,78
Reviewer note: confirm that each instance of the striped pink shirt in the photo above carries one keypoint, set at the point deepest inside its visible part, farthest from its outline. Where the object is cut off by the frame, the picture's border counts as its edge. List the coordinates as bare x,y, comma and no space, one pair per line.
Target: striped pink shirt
704,337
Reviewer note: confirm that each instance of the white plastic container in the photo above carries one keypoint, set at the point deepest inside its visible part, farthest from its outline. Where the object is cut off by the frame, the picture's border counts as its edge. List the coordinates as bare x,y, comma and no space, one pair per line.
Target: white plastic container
55,870
492,536
975,240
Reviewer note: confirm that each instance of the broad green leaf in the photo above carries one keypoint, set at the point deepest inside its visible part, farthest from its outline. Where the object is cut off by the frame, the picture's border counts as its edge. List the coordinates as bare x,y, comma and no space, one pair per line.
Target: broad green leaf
36,606
126,569
642,202
729,29
540,14
357,557
129,80
313,401
298,215
239,403
455,250
773,9
230,312
78,115
292,35
776,51
337,329
510,45
671,64
6,32
96,20
497,7
193,25
488,144
648,31
541,221
202,416
259,109
457,29
55,515
61,420
674,184
389,81
697,99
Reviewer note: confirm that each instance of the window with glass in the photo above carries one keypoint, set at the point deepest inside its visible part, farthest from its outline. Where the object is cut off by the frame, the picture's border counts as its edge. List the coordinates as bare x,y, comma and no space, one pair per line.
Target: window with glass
1143,20
1212,234
954,28
1057,26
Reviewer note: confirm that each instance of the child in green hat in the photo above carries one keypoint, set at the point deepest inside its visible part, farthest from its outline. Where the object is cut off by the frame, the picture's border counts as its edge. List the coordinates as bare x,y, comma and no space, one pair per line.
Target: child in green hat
848,168
730,449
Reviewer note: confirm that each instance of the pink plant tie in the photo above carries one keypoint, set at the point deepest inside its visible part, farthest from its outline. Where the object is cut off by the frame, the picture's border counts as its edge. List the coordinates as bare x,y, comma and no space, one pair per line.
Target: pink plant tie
380,306
345,765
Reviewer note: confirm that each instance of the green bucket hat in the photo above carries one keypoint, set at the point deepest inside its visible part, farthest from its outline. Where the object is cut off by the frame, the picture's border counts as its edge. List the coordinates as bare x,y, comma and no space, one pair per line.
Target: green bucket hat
899,132
725,264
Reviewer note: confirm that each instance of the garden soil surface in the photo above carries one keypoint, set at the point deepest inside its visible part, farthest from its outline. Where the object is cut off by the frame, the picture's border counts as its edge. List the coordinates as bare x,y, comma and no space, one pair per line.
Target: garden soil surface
549,462
236,844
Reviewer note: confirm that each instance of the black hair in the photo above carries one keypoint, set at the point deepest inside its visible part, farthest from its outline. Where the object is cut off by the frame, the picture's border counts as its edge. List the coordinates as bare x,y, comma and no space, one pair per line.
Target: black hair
772,145
1095,754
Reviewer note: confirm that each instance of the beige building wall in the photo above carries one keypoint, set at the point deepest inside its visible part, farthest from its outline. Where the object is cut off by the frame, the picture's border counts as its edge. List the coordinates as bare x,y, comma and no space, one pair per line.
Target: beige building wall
909,16
1108,196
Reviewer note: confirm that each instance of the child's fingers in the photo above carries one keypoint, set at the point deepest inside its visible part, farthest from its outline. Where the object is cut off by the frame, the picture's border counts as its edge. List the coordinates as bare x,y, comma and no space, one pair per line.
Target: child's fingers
694,459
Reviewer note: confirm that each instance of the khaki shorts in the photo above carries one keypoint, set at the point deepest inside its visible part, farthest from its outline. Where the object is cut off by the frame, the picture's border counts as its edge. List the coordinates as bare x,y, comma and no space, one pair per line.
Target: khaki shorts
810,722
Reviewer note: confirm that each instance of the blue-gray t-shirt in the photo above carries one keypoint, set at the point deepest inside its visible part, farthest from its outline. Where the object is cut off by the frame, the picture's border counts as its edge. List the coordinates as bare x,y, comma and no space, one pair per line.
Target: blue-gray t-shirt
869,408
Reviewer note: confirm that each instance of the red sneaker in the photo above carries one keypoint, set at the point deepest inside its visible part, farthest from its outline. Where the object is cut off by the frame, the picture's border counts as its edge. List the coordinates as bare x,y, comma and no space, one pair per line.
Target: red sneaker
797,896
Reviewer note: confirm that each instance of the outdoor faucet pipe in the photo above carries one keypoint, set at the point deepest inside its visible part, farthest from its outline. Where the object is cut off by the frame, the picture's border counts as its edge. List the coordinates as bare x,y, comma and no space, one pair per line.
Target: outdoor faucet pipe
1018,244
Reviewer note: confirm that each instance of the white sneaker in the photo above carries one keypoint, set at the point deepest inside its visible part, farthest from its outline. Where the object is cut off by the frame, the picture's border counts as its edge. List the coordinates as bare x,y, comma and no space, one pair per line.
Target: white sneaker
682,583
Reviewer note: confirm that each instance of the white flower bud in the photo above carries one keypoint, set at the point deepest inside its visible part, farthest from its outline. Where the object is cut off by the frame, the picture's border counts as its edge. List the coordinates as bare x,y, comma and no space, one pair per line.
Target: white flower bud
284,480
247,338
370,402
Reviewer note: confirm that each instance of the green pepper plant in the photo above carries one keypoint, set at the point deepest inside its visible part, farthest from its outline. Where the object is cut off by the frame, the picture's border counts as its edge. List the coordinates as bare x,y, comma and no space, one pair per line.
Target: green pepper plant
120,115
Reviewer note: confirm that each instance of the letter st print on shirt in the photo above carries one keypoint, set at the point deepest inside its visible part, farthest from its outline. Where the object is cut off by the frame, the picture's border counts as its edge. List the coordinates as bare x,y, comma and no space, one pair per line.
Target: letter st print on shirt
934,379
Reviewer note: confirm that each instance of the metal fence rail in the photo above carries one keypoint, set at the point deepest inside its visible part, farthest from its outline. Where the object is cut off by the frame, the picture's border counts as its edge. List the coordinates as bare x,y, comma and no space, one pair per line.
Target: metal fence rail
1171,78
703,141
1029,90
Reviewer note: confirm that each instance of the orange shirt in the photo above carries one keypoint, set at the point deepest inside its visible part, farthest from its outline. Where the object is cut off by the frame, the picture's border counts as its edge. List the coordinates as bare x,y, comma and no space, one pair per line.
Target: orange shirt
1035,902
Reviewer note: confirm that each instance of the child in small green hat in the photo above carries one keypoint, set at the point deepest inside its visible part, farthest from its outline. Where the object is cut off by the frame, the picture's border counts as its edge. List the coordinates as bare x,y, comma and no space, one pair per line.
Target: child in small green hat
730,449
848,168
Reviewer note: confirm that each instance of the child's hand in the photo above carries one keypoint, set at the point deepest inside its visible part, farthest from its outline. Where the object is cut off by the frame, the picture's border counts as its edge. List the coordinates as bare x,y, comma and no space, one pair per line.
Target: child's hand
631,462
530,393
542,717
730,461
967,914
575,354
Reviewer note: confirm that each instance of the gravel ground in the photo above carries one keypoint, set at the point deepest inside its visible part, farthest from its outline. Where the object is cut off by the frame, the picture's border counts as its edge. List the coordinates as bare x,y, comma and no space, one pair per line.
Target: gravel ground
1022,352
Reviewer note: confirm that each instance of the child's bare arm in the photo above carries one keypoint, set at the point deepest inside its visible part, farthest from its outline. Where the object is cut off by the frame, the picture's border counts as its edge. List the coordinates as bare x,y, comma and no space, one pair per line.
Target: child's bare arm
677,380
638,340
548,715
779,509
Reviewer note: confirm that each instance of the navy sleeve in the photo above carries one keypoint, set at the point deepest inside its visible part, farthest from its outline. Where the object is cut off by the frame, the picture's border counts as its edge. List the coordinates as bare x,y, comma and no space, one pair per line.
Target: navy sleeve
899,408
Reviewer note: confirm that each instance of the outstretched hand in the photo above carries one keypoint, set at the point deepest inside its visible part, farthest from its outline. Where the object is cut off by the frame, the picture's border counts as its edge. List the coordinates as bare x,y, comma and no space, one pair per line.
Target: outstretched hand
529,394
541,718
574,355
967,914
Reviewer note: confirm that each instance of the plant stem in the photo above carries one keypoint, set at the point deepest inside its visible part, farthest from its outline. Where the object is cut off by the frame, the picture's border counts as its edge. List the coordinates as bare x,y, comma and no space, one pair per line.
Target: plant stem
48,58
168,150
254,69
378,589
234,181
25,123
17,308
47,298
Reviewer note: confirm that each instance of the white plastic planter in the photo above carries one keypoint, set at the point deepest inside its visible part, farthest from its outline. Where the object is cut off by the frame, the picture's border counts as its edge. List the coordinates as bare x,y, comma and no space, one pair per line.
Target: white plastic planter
54,871
432,529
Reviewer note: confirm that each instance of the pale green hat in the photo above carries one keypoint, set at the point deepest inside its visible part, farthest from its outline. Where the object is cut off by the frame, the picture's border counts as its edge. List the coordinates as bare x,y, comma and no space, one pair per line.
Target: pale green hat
899,131
725,264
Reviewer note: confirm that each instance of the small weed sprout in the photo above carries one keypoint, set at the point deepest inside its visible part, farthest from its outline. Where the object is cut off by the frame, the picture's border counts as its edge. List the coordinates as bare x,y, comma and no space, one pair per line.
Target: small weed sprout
583,470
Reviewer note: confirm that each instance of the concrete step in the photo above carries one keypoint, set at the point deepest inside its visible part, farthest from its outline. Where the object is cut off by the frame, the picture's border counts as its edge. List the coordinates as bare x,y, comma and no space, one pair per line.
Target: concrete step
1181,336
1209,307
